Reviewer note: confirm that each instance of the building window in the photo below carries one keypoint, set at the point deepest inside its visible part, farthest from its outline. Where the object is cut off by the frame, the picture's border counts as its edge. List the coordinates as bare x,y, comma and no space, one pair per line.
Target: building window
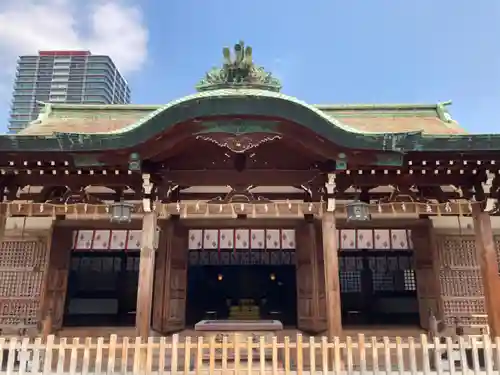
57,98
23,72
59,86
24,85
97,66
94,97
97,71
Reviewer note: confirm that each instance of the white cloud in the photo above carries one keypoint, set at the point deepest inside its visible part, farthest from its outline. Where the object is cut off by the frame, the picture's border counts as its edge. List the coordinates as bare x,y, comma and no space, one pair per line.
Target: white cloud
111,27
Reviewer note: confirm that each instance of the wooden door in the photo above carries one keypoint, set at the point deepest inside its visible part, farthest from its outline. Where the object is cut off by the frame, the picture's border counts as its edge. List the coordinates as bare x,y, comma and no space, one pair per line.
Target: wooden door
426,272
309,306
56,284
169,300
178,280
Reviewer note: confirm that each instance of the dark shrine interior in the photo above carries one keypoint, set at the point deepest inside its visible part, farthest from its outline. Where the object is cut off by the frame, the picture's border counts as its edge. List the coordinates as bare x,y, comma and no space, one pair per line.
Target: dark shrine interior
102,288
377,288
242,292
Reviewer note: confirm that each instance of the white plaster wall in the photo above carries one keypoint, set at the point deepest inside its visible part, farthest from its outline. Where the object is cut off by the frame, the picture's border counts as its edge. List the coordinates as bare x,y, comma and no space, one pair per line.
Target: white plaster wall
19,226
463,225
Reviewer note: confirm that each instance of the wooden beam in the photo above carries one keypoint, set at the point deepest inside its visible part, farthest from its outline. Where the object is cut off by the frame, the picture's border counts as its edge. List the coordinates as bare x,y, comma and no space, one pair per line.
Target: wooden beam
73,180
487,258
405,179
270,177
146,276
252,210
259,177
38,197
332,282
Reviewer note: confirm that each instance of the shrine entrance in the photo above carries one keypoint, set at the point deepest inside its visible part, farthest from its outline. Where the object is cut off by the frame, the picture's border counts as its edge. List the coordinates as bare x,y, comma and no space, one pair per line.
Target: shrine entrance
377,277
241,275
102,279
102,289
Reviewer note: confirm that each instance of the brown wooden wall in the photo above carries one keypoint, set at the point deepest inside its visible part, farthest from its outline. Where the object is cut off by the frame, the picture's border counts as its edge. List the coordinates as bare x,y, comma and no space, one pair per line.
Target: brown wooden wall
33,281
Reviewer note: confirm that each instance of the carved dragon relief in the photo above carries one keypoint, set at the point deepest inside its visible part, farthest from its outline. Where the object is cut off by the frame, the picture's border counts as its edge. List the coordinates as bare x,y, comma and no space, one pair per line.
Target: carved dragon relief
238,143
240,194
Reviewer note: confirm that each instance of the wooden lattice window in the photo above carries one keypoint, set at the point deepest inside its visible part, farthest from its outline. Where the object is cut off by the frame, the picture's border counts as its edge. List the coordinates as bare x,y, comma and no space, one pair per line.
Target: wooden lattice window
22,268
460,279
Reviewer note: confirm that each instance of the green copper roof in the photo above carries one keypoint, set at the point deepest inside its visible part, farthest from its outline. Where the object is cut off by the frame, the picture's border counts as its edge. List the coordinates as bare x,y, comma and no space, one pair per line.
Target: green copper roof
237,90
241,102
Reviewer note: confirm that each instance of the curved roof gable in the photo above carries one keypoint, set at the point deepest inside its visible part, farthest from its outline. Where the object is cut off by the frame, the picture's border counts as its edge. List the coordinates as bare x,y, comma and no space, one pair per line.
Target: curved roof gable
386,118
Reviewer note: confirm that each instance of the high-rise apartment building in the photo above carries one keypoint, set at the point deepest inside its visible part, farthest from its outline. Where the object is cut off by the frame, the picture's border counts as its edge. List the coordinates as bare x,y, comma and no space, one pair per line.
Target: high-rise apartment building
64,77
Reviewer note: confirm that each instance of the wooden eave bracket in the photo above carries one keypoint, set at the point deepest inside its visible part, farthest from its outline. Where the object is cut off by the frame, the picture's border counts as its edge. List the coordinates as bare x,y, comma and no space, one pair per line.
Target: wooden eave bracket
330,188
147,188
491,203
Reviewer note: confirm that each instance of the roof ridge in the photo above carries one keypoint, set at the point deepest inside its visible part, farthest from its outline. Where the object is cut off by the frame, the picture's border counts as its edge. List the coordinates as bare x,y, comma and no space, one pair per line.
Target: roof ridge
384,106
99,106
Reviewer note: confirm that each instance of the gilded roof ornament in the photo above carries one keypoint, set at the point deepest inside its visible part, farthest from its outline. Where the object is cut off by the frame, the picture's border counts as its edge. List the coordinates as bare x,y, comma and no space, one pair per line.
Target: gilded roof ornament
238,71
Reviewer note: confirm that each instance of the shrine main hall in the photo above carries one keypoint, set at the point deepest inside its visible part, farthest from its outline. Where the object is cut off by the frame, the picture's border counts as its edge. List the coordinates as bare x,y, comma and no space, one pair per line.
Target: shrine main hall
239,202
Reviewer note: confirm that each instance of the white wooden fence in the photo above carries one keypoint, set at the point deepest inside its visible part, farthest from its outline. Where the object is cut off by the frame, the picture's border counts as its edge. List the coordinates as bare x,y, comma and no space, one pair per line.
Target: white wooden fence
253,355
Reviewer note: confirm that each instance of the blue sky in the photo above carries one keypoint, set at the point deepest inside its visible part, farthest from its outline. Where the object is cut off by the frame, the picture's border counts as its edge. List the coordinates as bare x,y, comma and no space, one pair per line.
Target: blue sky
329,51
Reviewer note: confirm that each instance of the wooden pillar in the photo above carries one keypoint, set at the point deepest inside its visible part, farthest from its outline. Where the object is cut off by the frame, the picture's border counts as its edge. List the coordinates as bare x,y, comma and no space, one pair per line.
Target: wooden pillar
315,277
487,259
161,279
3,222
332,282
146,276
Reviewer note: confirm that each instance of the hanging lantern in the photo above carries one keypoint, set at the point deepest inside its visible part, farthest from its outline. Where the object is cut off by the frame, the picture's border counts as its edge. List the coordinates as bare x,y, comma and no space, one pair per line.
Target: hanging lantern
358,211
121,212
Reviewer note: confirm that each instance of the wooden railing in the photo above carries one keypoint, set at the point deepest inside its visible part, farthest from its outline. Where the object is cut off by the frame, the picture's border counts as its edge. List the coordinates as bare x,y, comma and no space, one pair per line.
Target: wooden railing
236,355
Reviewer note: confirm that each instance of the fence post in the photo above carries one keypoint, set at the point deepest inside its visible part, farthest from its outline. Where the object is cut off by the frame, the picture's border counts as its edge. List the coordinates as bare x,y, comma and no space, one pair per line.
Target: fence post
110,368
299,355
61,355
12,355
274,355
199,354
477,355
362,353
47,361
324,354
73,362
312,355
